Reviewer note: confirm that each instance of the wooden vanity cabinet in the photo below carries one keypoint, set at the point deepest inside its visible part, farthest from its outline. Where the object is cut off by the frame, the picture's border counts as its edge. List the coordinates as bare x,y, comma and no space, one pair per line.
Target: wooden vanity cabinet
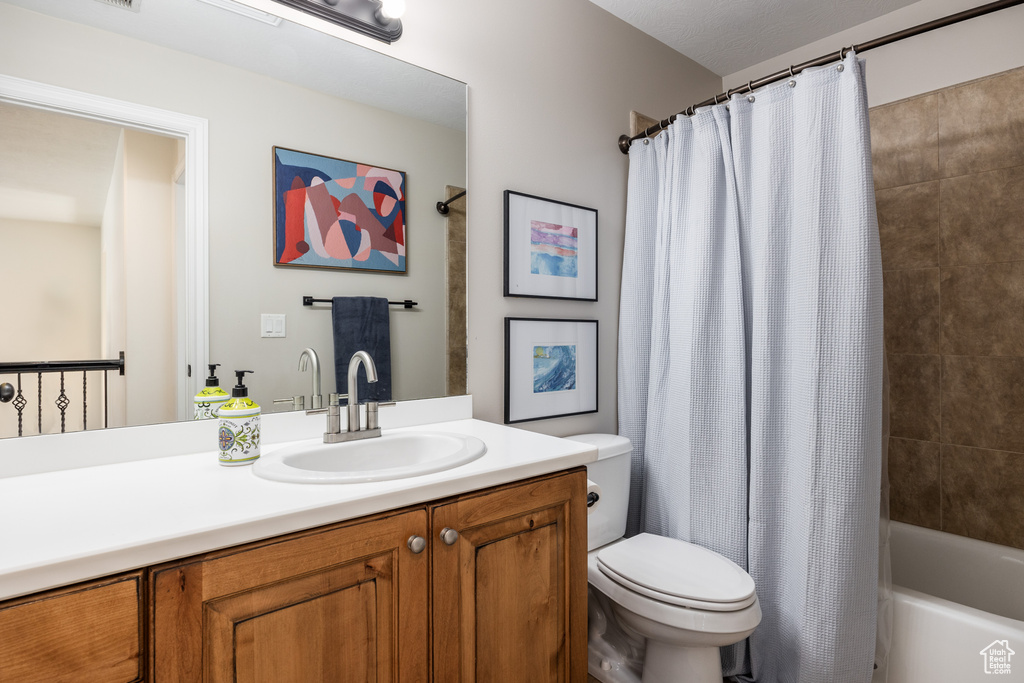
510,591
87,633
341,603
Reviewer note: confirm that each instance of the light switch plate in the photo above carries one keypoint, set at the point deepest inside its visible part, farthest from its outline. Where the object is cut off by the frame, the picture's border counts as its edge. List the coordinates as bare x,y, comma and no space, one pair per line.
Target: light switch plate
272,325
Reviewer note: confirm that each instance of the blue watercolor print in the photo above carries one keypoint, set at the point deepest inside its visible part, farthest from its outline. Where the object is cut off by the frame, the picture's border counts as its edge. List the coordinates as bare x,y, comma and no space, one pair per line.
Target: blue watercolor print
554,368
552,264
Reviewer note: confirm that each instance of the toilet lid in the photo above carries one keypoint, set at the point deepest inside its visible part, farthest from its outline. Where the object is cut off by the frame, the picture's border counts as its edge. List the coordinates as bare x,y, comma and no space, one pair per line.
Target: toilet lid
677,572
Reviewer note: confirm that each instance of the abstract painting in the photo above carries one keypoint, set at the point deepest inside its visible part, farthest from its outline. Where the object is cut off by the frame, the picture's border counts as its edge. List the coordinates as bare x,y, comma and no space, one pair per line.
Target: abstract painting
550,368
332,213
553,249
550,248
554,368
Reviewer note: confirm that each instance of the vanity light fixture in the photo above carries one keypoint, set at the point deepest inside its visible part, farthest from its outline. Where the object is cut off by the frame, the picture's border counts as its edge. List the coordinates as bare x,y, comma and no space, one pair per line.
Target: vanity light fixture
377,19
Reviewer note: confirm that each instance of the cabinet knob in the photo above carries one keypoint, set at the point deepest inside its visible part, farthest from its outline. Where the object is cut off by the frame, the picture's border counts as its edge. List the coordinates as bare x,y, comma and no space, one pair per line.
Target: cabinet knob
449,536
417,544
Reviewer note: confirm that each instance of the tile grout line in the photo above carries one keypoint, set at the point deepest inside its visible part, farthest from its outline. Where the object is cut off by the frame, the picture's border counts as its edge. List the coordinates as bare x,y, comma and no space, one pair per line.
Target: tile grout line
939,178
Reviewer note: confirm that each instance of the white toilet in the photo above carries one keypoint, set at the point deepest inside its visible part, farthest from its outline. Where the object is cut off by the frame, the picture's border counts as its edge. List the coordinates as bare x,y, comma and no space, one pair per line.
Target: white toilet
682,600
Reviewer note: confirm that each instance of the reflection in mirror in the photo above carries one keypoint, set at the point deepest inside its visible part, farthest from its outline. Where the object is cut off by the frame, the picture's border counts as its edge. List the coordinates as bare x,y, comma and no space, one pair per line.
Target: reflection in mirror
258,86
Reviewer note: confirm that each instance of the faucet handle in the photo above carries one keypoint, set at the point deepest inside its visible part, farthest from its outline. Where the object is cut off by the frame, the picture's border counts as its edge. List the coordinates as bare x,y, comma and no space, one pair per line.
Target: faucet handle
371,415
298,402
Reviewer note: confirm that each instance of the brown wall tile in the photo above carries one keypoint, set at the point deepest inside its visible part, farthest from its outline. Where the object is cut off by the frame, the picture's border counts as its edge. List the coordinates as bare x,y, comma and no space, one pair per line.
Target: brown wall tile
983,310
914,482
981,125
908,225
912,312
456,214
953,256
983,402
981,220
914,398
455,323
981,494
905,142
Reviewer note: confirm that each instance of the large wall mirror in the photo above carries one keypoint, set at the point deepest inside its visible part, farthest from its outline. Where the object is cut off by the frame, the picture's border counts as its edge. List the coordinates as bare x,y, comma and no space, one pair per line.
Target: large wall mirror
102,217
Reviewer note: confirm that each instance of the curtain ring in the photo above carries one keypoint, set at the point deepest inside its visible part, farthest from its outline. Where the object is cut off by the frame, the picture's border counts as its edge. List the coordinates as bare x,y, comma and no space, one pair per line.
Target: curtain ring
750,88
716,99
791,74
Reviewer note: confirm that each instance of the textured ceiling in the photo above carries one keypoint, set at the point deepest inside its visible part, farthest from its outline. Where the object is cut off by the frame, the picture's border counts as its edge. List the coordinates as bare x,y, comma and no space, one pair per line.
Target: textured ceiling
725,36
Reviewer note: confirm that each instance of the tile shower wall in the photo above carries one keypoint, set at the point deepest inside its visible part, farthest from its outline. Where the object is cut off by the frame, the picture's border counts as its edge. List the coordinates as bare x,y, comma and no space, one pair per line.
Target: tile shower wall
949,181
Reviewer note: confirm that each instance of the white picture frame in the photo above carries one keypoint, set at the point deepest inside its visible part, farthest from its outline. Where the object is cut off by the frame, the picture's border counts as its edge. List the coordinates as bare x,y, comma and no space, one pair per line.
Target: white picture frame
550,368
550,248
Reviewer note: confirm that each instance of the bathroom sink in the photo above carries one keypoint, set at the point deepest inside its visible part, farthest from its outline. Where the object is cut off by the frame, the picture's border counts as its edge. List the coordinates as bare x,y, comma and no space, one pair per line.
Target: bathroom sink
395,455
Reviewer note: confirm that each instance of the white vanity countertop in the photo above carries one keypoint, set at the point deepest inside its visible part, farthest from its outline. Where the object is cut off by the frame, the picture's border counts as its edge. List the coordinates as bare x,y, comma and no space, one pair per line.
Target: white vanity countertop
62,527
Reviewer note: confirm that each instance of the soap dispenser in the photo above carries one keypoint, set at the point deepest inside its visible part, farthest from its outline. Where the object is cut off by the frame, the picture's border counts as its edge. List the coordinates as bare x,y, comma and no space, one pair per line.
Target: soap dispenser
239,433
212,397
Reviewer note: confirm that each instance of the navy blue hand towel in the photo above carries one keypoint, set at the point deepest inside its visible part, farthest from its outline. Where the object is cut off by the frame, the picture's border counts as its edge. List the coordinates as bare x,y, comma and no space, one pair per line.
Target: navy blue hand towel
361,323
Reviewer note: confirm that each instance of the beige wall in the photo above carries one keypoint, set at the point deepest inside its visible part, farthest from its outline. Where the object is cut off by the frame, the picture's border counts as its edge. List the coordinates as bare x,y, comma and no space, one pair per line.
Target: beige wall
944,57
113,314
150,287
51,288
248,115
551,85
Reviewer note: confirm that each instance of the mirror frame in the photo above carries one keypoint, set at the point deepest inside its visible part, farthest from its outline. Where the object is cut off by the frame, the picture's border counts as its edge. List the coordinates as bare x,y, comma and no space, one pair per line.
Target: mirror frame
194,131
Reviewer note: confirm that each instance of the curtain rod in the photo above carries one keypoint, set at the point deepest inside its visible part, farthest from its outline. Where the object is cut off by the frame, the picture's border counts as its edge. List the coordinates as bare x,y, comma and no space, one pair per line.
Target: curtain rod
625,140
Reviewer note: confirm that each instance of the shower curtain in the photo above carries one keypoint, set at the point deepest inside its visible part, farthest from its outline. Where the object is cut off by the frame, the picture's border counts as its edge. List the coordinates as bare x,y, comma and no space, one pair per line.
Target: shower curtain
750,361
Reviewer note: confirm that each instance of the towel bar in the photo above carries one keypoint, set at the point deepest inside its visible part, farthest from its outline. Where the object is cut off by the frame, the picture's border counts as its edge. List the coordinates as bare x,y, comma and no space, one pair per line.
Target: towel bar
309,301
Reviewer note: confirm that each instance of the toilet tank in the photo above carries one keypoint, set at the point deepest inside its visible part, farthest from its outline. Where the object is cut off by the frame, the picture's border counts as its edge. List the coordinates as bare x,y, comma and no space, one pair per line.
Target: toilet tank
606,521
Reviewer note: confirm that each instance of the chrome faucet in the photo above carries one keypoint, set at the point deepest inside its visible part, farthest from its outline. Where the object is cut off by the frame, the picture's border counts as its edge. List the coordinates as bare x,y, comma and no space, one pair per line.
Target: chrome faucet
355,430
317,400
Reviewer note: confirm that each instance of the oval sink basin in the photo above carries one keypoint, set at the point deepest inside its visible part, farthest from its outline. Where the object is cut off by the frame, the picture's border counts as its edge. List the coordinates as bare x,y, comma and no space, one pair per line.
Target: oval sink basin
391,456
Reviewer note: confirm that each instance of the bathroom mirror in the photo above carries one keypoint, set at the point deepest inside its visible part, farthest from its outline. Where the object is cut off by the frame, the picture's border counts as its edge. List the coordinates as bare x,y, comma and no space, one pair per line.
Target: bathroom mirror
257,83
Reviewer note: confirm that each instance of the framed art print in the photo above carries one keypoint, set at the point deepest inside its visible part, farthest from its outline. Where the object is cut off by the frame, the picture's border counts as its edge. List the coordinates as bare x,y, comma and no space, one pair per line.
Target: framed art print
550,248
550,368
332,213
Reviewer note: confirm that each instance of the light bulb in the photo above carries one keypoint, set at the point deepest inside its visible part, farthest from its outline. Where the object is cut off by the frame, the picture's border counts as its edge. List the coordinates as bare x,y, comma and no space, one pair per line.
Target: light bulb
392,9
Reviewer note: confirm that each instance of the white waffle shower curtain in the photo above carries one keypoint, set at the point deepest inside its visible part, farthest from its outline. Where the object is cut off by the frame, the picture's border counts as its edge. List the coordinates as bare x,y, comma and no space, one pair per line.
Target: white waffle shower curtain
750,361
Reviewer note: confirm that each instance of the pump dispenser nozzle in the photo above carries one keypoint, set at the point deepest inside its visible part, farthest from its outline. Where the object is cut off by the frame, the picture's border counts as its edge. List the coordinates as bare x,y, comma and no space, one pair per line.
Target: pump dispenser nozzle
212,380
240,390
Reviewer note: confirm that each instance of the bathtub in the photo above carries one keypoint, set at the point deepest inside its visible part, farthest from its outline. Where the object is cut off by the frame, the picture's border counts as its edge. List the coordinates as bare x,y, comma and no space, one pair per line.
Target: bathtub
953,598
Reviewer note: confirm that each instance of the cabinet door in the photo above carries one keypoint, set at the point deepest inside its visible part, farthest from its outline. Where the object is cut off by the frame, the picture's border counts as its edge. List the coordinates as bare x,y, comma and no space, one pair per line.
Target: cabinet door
341,604
510,593
87,632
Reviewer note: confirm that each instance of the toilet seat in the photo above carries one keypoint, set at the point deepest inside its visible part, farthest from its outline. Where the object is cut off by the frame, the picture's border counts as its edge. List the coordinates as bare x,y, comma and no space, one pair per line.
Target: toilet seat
677,573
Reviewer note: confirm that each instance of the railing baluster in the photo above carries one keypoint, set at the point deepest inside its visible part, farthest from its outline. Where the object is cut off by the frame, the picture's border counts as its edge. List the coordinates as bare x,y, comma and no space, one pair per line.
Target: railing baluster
85,409
62,403
19,404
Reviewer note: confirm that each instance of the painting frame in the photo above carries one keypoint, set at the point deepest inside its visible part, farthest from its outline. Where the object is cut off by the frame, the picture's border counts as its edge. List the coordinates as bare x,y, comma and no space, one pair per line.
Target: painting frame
362,206
550,248
538,359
